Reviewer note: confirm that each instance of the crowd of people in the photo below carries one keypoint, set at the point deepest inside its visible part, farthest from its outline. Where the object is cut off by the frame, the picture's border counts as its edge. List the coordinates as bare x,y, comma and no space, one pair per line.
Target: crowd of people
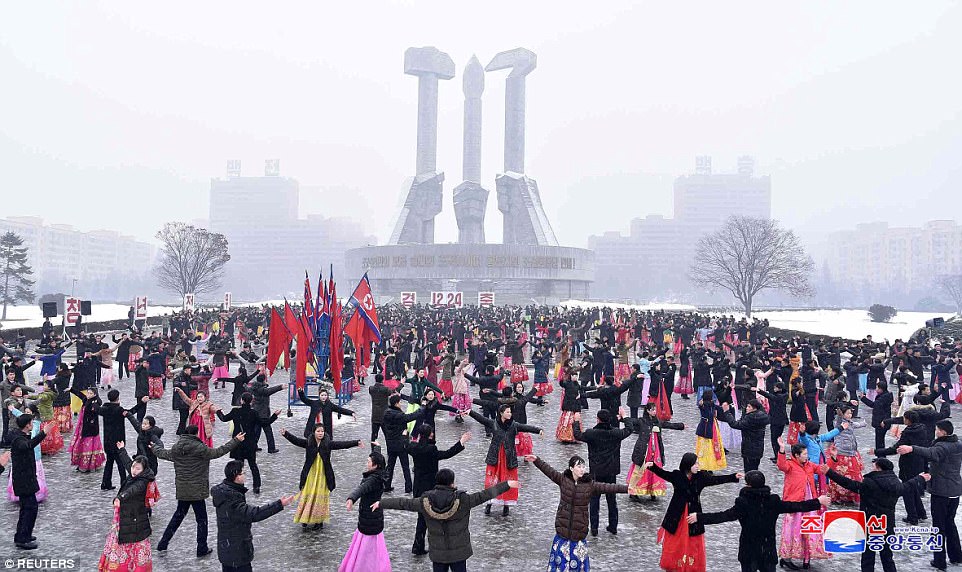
628,371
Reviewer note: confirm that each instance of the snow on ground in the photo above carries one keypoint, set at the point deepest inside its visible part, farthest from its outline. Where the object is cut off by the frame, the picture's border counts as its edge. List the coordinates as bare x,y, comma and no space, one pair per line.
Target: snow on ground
851,324
32,317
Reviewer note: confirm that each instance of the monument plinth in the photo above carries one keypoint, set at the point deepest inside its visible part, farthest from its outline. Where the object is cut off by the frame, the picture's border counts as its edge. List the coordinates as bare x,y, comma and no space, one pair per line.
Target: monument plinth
529,266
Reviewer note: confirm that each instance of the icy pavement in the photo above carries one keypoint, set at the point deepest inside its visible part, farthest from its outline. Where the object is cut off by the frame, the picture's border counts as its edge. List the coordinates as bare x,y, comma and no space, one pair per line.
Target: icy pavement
75,518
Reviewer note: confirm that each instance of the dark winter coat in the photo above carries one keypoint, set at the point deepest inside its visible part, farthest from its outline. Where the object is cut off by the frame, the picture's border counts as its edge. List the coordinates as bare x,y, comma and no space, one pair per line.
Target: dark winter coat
395,426
752,425
881,407
134,521
572,396
610,395
313,449
191,458
246,420
144,439
325,408
114,426
644,427
604,447
878,492
488,384
757,510
369,522
426,456
61,382
776,407
379,401
945,463
502,434
262,398
240,385
186,384
235,543
912,464
687,494
91,422
141,382
447,513
571,518
24,461
634,392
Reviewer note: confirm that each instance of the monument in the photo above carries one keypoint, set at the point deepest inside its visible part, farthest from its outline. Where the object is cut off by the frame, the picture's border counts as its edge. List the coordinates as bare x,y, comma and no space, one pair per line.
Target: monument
529,266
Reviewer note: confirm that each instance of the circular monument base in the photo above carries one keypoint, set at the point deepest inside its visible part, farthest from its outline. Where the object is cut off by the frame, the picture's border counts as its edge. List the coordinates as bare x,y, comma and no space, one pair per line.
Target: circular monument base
515,273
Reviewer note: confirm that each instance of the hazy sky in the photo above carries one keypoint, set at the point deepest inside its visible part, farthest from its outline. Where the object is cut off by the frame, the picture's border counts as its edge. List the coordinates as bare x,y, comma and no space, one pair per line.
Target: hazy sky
115,114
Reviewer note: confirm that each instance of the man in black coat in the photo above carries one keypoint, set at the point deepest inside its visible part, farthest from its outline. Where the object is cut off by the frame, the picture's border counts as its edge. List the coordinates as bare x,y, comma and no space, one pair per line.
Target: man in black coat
114,430
379,396
235,543
757,510
911,465
141,389
945,487
25,483
247,421
262,392
752,425
878,492
604,461
610,395
777,415
396,439
425,454
185,383
881,409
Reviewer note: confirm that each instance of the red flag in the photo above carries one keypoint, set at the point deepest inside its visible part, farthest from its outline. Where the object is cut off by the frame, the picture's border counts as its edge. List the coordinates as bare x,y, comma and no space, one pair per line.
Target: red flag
303,343
278,341
293,326
359,333
337,340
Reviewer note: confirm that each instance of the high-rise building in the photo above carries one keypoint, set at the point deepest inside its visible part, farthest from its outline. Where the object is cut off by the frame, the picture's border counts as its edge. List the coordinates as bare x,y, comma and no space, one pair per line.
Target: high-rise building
876,260
269,245
60,253
654,257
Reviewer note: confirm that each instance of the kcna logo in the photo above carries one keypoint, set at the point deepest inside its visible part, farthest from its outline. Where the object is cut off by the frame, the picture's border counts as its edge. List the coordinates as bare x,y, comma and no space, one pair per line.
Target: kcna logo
843,531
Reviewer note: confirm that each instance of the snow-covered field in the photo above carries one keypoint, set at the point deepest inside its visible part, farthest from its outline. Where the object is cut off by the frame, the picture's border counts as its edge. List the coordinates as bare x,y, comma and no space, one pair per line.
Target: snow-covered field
32,317
853,324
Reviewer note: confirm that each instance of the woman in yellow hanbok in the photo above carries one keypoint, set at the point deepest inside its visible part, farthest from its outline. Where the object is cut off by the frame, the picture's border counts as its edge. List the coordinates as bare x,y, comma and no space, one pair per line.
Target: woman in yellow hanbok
317,476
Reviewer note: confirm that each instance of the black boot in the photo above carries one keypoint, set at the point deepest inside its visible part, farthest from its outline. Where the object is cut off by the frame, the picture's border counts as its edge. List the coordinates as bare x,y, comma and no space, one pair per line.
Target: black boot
487,508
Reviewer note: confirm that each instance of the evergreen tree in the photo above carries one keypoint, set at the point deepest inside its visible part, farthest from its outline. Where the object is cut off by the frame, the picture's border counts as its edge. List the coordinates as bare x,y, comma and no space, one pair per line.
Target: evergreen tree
14,271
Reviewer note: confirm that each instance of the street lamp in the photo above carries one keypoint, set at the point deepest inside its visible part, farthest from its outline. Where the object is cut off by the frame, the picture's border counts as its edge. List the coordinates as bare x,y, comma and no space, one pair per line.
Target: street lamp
72,286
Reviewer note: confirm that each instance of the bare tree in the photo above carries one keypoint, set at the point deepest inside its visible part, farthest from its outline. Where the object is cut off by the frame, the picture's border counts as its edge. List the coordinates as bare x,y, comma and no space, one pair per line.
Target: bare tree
15,271
952,285
192,260
748,255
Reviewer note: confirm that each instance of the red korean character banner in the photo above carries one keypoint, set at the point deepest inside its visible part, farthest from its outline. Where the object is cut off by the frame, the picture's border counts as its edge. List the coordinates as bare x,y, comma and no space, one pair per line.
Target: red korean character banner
71,310
140,308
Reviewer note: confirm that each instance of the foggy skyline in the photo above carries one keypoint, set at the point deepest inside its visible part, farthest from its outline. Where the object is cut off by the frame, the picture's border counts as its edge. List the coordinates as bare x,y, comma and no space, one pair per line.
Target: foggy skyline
118,116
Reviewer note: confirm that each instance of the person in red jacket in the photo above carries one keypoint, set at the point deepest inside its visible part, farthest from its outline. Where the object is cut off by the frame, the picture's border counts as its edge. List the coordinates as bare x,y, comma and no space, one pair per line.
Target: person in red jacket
799,486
